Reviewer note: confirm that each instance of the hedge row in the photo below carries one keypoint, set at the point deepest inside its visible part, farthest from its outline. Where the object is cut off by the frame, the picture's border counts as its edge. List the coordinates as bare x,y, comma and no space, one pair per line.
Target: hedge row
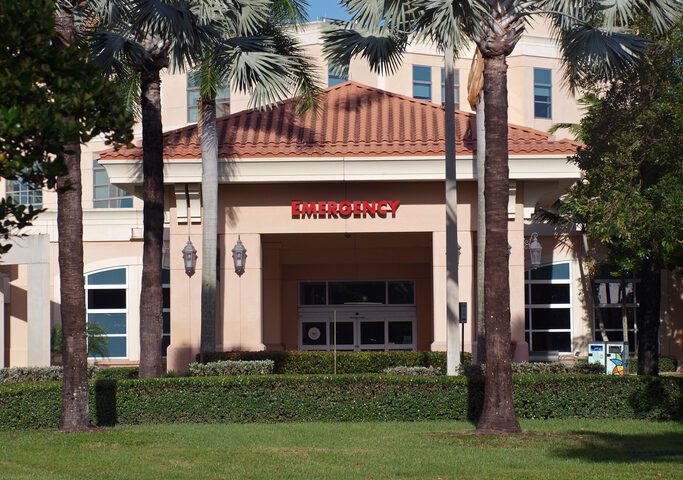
278,398
298,362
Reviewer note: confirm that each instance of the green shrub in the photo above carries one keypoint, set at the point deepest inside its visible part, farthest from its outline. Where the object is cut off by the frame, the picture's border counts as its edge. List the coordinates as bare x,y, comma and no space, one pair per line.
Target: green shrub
412,371
280,398
38,374
117,373
539,368
667,364
322,362
231,367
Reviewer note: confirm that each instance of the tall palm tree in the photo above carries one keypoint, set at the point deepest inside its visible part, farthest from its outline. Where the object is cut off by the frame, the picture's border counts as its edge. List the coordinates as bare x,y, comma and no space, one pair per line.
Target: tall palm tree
593,41
74,414
218,67
379,32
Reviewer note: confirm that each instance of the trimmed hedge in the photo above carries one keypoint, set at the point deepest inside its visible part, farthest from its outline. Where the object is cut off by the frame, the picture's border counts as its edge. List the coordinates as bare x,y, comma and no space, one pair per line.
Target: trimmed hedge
38,374
231,367
281,398
301,362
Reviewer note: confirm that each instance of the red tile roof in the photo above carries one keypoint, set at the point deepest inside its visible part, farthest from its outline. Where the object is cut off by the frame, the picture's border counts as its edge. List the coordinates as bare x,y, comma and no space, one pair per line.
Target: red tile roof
354,120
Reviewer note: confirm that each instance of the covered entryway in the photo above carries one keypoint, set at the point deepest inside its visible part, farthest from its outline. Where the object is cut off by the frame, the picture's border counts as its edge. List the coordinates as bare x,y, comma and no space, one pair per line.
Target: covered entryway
373,289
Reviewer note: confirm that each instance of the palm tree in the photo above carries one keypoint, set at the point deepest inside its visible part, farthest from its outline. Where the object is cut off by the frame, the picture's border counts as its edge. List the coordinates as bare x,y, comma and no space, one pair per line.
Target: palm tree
136,40
379,32
74,413
594,43
213,74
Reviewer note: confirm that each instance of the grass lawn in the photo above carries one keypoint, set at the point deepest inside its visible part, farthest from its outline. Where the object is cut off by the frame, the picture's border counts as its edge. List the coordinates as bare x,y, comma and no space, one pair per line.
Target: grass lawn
576,449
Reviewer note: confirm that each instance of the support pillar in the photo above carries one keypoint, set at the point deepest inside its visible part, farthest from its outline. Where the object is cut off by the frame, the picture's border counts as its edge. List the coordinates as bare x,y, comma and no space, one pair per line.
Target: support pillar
439,290
243,308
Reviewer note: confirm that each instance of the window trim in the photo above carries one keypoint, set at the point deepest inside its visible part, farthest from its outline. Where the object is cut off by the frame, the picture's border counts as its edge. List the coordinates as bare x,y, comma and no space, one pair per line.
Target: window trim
456,87
110,286
327,293
221,102
166,310
118,198
25,188
617,306
423,82
544,85
531,306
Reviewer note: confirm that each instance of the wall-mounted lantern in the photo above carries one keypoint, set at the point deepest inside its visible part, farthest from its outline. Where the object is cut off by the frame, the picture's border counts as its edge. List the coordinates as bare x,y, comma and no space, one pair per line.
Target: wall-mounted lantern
239,257
535,249
190,258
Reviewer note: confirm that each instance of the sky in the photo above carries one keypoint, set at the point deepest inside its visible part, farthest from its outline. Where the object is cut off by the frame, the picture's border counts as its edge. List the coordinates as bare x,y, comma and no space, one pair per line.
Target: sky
325,8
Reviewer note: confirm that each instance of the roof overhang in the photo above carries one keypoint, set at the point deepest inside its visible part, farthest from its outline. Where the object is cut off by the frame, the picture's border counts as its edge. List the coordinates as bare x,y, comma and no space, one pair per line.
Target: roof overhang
128,173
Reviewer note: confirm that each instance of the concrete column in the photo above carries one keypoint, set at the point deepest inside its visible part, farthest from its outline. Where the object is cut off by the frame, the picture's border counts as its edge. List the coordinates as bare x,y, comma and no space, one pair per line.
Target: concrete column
517,255
272,293
243,307
439,290
38,308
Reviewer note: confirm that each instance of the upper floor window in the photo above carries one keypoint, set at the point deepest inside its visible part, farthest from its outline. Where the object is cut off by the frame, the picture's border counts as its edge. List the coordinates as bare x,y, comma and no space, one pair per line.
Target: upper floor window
222,99
422,82
334,78
456,87
106,195
24,193
542,93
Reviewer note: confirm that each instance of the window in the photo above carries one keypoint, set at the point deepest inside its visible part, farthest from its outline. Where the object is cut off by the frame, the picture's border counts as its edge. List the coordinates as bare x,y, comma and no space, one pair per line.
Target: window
106,195
222,99
166,315
548,303
392,292
542,93
106,305
456,87
609,308
422,82
334,78
24,193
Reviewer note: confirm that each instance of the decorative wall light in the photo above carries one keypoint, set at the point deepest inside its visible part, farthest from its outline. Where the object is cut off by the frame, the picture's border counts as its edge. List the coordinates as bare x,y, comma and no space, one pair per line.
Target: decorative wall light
190,258
239,257
535,249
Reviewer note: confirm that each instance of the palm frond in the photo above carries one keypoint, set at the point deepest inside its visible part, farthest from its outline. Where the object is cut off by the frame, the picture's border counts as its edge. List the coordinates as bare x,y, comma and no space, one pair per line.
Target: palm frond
591,52
113,51
382,48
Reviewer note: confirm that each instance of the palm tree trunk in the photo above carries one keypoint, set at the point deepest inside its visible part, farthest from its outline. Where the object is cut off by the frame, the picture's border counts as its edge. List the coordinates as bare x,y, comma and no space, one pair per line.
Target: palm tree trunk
153,223
648,320
209,143
452,253
481,228
74,414
498,414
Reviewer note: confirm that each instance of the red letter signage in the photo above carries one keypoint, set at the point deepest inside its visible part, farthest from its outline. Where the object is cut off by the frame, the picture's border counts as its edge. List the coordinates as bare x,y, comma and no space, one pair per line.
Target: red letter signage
344,208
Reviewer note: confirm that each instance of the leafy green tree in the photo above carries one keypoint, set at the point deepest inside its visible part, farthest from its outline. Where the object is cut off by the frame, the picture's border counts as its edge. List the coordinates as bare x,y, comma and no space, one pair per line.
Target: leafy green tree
593,42
631,195
54,100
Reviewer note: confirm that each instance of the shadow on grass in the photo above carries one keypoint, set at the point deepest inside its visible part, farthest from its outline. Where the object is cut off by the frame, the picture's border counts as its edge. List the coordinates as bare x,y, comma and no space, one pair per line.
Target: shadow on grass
603,447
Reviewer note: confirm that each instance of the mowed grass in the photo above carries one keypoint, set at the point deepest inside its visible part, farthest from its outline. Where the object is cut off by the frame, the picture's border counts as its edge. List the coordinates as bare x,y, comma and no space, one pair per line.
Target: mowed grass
568,449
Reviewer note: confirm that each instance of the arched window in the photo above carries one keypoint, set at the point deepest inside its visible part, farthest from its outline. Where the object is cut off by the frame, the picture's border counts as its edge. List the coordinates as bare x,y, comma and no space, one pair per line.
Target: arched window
107,305
548,308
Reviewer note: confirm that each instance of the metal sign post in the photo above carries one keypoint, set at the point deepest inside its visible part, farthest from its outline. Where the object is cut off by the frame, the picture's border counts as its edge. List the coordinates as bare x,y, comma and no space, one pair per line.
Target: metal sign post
463,321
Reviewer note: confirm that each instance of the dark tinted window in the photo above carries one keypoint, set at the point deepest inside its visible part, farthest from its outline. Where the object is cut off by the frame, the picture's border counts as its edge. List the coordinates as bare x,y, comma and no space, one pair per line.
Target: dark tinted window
106,299
401,333
314,333
357,292
401,293
313,293
372,333
551,318
549,293
344,332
